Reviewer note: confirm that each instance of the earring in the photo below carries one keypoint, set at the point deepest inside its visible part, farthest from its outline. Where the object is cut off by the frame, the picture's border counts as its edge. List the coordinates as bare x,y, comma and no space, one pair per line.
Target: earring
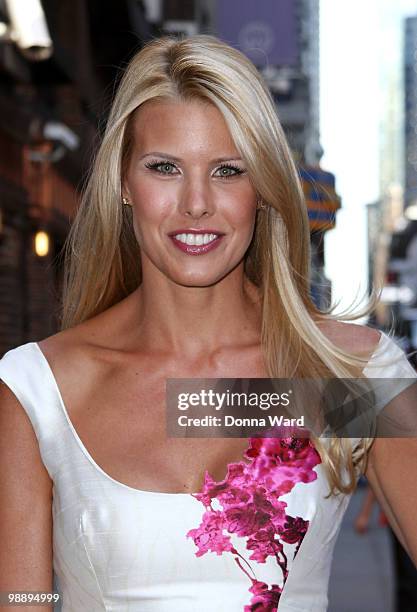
260,205
126,202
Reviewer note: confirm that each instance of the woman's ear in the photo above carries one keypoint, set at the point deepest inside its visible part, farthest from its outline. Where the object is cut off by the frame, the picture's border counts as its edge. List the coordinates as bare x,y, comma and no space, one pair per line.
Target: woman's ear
126,199
124,189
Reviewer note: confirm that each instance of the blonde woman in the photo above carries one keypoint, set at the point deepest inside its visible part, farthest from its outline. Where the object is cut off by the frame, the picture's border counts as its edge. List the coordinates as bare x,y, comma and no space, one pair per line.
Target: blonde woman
189,257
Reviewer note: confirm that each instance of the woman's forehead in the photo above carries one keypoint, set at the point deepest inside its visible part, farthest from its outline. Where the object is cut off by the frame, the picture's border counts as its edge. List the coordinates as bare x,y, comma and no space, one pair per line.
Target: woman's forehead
193,125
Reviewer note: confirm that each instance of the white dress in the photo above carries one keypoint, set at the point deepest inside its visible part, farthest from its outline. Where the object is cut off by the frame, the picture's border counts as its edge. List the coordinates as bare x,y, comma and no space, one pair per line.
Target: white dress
117,548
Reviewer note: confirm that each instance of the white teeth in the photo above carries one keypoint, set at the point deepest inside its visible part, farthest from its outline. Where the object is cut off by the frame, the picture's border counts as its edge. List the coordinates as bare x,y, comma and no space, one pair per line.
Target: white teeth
196,239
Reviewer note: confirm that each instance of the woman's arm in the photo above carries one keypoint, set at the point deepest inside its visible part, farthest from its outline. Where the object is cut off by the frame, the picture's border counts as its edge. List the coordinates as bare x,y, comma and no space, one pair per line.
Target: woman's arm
392,474
25,505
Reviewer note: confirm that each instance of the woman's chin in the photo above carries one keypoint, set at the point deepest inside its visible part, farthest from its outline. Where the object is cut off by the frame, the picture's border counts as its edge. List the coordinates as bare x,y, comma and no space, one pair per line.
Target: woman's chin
198,279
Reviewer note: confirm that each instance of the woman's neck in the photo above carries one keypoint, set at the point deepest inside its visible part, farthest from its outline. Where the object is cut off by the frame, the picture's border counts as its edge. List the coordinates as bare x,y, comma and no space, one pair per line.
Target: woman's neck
193,320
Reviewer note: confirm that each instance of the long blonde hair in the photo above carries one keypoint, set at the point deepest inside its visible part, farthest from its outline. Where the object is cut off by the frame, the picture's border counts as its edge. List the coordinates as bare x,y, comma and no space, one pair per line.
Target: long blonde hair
103,257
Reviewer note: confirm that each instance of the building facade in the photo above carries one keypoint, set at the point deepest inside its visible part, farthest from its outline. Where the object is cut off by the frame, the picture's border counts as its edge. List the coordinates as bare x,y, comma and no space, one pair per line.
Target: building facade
392,221
410,111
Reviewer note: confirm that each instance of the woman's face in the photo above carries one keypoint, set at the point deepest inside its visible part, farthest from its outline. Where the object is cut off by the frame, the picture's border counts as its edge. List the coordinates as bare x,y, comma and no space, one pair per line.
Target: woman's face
194,206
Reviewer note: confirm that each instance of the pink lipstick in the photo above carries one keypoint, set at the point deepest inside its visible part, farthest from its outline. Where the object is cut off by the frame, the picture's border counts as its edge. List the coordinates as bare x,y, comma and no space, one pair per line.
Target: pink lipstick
196,241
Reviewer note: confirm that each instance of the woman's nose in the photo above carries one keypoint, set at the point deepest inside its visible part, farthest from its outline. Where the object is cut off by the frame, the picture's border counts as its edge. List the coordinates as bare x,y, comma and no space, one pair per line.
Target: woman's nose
196,202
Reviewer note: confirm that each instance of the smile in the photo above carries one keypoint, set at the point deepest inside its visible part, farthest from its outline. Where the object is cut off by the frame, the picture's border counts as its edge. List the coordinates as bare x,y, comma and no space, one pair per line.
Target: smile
197,239
196,243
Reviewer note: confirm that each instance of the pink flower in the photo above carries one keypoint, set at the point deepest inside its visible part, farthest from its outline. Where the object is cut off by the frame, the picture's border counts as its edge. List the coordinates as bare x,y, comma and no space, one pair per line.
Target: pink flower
265,599
294,530
251,508
209,536
245,520
293,452
264,545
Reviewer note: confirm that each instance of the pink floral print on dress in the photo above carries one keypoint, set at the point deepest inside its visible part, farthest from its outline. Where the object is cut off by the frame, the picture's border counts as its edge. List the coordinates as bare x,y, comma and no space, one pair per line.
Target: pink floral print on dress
251,509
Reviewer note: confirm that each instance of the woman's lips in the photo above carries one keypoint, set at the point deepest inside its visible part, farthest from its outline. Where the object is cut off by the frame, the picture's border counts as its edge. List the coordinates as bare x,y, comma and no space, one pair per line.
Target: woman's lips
196,249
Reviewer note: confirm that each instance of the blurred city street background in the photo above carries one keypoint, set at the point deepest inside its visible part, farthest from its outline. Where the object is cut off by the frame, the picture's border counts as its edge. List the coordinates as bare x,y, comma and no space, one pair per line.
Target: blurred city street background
344,80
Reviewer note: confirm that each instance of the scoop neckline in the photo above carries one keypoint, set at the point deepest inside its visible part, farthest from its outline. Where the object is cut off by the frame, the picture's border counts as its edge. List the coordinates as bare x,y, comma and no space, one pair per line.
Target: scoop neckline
90,458
86,452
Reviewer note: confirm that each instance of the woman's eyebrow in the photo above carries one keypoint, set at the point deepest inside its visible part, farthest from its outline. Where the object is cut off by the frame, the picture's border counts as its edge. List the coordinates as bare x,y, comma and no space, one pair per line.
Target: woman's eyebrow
179,160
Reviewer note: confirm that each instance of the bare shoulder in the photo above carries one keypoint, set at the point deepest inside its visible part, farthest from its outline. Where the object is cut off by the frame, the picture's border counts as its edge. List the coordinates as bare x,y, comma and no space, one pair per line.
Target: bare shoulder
66,354
71,360
81,357
361,340
100,330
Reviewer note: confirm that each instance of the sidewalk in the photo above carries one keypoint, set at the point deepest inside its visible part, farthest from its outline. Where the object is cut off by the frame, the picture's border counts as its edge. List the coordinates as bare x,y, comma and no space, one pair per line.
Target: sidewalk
362,575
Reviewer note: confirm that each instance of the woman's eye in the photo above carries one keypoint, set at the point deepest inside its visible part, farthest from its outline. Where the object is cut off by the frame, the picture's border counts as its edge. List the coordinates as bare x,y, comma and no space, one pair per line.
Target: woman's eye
167,168
161,167
227,171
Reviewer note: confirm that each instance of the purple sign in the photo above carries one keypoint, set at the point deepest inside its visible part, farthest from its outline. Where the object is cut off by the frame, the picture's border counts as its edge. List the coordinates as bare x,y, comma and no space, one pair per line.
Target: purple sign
265,30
